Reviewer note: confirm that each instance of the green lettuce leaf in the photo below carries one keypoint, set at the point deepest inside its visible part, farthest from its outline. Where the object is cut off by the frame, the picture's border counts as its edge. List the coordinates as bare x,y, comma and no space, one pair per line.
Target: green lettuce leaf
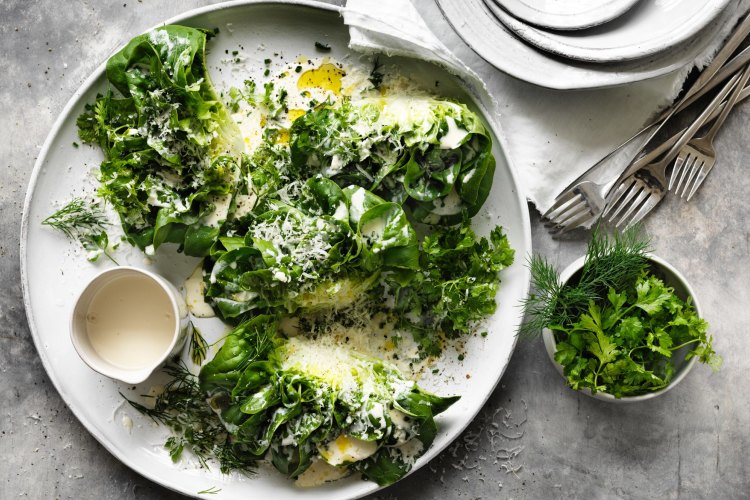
172,152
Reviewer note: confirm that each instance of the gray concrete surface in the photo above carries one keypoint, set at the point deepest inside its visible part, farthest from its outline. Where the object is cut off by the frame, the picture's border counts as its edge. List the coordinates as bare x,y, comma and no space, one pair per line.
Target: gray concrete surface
692,443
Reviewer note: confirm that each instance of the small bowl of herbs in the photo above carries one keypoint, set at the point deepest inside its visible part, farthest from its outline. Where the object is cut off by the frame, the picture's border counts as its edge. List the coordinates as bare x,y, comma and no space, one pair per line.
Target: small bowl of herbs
619,323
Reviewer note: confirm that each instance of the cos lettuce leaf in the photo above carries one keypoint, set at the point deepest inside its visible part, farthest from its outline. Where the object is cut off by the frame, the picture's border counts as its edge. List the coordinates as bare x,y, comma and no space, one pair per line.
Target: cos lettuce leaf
324,251
171,149
295,399
433,155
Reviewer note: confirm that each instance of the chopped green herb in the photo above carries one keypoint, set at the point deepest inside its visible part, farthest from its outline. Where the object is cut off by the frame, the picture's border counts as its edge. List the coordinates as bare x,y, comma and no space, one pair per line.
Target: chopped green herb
625,345
323,47
85,222
182,407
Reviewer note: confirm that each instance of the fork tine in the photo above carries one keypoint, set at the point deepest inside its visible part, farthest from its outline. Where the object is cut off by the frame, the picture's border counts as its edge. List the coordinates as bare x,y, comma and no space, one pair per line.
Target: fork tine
616,196
635,203
560,201
697,182
650,203
689,165
564,219
694,172
678,163
579,222
567,209
620,199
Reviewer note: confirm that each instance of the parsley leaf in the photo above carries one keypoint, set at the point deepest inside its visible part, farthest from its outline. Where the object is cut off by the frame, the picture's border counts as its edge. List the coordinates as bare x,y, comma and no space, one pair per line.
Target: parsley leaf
625,345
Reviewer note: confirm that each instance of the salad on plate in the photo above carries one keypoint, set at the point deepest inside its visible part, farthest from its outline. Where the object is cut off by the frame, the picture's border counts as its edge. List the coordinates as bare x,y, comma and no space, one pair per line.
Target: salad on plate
331,208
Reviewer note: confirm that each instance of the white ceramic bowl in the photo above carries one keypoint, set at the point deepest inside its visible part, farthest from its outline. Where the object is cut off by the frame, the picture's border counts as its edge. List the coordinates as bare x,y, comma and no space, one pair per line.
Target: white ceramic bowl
672,277
150,287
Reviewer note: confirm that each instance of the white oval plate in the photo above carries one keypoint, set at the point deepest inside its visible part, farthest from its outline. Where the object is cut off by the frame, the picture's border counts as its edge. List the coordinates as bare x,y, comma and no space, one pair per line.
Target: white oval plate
648,28
566,14
54,270
496,44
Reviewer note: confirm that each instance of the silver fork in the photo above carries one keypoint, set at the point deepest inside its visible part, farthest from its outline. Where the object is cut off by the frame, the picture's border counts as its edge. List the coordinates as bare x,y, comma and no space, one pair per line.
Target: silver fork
698,157
583,201
644,183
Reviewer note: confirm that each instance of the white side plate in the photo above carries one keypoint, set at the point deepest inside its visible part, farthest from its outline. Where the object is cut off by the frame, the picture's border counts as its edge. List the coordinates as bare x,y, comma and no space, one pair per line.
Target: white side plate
54,270
496,44
647,29
566,14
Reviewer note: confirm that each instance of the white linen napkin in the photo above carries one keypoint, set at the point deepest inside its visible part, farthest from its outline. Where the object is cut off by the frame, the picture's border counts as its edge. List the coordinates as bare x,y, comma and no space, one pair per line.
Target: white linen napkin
551,137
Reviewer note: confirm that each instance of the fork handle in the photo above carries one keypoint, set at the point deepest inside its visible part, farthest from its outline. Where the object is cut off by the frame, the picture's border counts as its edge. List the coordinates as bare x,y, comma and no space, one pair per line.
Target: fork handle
721,57
711,134
687,135
661,148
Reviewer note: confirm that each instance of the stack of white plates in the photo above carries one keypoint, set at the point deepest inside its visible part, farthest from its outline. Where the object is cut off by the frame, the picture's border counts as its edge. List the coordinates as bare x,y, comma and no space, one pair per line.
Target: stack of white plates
573,44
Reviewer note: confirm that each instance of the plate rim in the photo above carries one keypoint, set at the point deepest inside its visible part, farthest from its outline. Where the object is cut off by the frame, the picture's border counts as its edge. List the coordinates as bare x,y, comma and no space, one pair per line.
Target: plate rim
579,75
552,43
63,117
548,20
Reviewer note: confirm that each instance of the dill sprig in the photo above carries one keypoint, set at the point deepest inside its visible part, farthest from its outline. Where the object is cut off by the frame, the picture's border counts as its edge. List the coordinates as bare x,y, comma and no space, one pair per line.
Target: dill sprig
612,261
198,346
184,408
85,222
77,216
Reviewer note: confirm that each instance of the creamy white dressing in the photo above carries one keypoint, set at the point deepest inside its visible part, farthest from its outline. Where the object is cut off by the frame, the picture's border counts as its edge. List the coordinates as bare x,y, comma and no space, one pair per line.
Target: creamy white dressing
221,208
194,295
127,423
454,136
346,449
410,450
131,322
341,212
374,228
357,205
451,204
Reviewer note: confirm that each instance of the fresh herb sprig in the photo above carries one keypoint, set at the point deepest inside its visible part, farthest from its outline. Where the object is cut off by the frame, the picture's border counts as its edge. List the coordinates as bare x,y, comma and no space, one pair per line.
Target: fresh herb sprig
616,323
612,261
85,222
625,345
198,346
182,406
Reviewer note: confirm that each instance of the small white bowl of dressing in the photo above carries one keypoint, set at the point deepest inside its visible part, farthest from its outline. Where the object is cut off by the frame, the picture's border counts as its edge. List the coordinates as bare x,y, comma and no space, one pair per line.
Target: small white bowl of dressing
127,322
